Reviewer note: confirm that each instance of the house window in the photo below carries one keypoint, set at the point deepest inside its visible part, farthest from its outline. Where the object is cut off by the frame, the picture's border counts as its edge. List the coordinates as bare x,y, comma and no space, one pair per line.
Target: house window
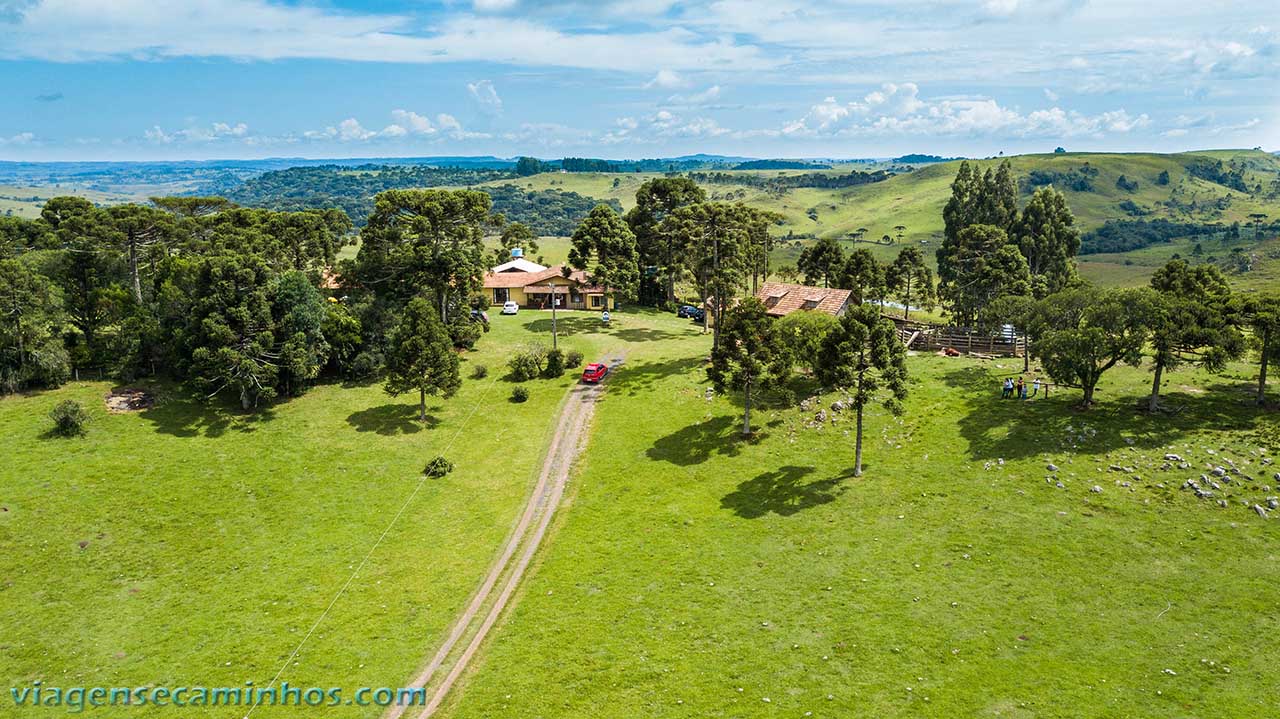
500,295
595,302
575,297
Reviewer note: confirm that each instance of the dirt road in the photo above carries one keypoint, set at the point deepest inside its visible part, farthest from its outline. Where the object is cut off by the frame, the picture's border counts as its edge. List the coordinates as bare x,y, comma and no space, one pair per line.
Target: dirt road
494,594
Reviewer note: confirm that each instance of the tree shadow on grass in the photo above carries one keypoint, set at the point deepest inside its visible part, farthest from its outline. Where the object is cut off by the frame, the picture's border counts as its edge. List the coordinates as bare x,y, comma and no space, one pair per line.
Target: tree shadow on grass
183,415
1010,429
639,377
782,492
697,443
391,419
567,326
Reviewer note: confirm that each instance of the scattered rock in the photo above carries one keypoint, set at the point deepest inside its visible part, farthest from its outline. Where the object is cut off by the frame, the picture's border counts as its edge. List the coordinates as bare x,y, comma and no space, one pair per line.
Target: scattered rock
1173,458
1262,512
1052,467
1096,489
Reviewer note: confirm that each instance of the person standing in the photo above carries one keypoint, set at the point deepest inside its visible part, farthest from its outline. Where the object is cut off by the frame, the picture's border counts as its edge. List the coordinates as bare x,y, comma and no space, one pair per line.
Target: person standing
1021,389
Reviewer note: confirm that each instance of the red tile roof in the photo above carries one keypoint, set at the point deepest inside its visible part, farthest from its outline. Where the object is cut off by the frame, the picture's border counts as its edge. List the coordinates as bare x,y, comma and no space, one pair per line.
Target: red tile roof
781,299
524,279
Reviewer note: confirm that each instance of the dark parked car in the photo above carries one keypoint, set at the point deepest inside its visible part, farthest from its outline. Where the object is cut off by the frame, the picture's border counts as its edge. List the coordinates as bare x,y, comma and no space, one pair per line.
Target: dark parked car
697,314
686,311
594,372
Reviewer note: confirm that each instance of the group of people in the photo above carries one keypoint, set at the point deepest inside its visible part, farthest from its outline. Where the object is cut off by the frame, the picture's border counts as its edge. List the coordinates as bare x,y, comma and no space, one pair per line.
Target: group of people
1018,389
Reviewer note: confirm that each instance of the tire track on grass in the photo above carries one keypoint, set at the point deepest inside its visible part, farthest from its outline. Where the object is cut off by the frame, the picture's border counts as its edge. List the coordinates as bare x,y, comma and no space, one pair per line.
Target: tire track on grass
475,623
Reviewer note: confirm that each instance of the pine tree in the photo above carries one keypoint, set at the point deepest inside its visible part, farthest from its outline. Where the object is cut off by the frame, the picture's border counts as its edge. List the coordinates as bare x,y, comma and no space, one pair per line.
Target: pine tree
751,355
864,356
420,356
605,247
909,281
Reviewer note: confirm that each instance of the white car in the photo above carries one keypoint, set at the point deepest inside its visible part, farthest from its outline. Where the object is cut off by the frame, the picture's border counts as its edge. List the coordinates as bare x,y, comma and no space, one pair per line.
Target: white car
510,307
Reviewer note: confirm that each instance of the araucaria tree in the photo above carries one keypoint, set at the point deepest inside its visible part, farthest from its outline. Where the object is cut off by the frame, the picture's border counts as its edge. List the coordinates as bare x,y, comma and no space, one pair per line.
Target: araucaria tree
1083,332
864,356
1047,236
821,263
1261,314
984,267
751,355
864,275
420,356
655,200
425,239
605,248
717,237
909,281
1190,322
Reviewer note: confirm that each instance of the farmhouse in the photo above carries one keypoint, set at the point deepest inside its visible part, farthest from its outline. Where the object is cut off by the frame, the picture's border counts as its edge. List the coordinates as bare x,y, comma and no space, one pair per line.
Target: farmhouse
781,299
531,285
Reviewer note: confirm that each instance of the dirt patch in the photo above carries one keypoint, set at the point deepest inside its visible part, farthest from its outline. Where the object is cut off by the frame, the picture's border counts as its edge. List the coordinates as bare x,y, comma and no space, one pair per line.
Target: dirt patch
129,400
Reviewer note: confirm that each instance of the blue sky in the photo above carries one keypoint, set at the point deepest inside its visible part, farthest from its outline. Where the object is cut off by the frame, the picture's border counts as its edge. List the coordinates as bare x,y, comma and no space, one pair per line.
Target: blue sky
198,79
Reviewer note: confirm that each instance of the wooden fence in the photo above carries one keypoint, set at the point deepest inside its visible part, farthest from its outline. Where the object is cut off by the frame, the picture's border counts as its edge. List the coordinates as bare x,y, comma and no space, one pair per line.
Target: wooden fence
931,338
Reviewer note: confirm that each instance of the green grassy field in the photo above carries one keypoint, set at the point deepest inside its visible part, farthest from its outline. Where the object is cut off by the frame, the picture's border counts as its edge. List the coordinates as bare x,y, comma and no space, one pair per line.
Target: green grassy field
193,545
695,574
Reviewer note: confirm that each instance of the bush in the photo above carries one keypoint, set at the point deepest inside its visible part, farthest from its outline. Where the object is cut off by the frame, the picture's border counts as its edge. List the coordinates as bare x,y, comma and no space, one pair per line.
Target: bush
366,365
438,467
480,372
519,393
528,364
573,359
555,364
464,331
69,418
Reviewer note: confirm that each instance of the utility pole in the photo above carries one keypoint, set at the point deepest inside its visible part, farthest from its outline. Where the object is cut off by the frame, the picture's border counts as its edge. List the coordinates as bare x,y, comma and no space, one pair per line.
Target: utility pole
553,314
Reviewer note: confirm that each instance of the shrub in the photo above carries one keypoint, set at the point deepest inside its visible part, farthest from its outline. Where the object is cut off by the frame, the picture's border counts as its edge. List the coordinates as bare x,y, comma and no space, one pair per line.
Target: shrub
69,418
528,364
480,372
555,364
573,359
519,393
464,332
366,365
438,467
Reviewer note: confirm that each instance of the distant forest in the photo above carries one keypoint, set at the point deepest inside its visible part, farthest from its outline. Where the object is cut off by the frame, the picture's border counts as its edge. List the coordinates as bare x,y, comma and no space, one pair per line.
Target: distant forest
782,183
780,165
352,189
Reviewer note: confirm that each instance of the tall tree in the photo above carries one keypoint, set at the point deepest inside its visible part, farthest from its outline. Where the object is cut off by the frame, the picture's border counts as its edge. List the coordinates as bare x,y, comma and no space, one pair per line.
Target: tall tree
864,356
30,315
1083,332
1261,314
750,356
136,230
605,247
516,235
300,315
425,239
821,262
761,243
717,236
985,267
1047,236
655,200
421,356
864,275
909,280
1190,322
227,329
990,198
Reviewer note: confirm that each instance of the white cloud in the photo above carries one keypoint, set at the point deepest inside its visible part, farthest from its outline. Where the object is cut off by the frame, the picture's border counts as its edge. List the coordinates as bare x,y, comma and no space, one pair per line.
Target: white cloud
22,138
486,96
707,96
494,5
897,110
413,122
1050,95
667,79
211,133
83,30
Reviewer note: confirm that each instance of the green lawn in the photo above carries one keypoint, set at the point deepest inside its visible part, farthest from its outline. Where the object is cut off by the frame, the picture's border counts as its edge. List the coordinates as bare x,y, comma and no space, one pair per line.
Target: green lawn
214,541
696,575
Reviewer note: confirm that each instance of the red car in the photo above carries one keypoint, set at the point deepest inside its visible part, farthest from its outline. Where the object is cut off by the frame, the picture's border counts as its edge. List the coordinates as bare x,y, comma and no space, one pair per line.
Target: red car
594,372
